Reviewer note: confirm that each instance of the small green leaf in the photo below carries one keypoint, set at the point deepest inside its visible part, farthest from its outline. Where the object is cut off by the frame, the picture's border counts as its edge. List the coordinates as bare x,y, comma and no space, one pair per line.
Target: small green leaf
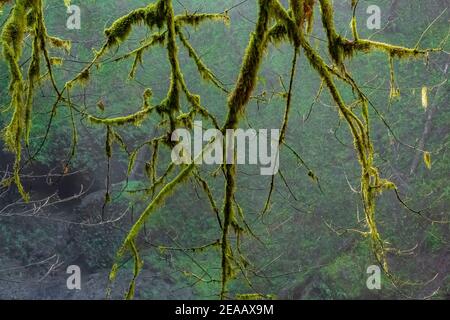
427,159
425,98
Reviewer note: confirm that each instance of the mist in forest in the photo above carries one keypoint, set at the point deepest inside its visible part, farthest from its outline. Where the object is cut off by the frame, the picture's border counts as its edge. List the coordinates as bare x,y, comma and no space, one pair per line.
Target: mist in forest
301,233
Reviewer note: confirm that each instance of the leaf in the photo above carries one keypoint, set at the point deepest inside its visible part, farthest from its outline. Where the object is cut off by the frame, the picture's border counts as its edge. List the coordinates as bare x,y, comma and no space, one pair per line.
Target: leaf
313,176
425,97
395,92
67,3
427,159
101,105
56,61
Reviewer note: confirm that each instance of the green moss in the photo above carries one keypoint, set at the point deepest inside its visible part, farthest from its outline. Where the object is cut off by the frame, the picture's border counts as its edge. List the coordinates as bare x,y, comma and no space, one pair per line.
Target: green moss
247,78
254,296
165,192
197,18
152,15
236,103
133,119
275,24
203,70
59,43
26,17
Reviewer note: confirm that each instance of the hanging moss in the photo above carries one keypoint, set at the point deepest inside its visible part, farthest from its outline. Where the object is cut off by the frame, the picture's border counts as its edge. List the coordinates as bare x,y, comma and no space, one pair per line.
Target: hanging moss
60,43
33,77
336,44
236,102
134,231
247,78
278,34
394,90
159,14
152,15
155,39
203,70
134,119
26,18
275,24
297,10
354,23
308,11
198,18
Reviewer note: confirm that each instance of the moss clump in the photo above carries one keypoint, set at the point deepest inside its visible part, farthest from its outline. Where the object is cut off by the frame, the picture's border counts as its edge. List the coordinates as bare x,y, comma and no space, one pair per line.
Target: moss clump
152,15
198,18
133,119
60,43
26,18
249,70
203,70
